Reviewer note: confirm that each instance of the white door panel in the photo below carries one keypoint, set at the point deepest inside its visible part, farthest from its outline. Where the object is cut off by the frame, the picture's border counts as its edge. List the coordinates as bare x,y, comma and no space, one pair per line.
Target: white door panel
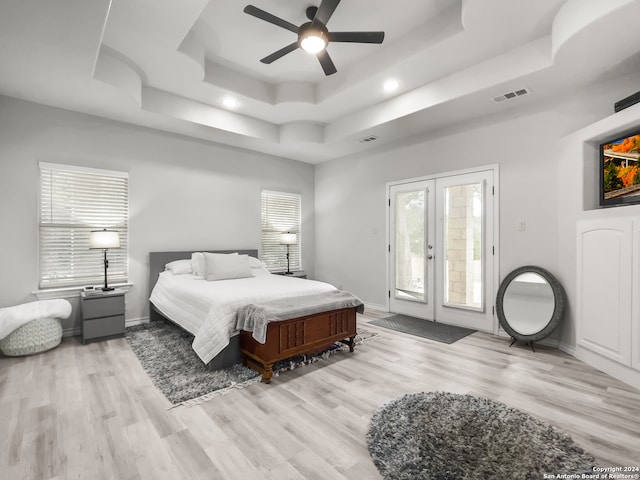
464,250
412,272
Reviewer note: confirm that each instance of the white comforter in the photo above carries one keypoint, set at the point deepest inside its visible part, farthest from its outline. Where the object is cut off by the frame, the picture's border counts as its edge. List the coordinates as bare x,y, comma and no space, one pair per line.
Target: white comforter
208,310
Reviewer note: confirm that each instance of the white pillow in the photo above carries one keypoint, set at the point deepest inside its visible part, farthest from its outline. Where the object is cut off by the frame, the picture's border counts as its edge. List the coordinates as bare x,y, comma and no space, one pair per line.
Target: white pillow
220,266
197,265
179,267
255,263
259,272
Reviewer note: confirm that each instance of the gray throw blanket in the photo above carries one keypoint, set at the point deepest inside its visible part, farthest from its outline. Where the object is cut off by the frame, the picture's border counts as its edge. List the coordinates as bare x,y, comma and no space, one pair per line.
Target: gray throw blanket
255,317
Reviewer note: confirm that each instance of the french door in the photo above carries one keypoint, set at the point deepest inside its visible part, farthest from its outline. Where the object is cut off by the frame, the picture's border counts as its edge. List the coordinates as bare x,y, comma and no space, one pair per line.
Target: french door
441,249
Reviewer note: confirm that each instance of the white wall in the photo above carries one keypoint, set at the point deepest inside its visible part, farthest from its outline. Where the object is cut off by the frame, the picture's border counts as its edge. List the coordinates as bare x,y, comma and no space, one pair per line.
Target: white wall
184,193
188,194
350,193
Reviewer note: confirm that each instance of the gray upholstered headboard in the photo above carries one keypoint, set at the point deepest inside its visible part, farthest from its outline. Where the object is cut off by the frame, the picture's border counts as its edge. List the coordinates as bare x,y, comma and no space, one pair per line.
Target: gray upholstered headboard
157,261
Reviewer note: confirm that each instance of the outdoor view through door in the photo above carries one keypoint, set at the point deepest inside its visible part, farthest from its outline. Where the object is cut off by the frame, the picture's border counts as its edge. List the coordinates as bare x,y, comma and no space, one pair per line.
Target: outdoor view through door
410,244
441,249
463,245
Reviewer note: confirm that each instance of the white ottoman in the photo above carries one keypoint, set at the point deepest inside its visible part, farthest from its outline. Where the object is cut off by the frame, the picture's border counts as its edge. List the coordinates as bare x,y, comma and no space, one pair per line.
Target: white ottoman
34,337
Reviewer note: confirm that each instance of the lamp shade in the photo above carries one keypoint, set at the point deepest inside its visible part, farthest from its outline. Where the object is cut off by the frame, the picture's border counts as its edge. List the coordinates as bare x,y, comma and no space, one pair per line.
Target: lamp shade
288,238
104,239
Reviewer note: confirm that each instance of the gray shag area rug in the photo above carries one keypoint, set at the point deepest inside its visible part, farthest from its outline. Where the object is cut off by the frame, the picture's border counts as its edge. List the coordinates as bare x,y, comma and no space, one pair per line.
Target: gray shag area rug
440,332
165,352
447,436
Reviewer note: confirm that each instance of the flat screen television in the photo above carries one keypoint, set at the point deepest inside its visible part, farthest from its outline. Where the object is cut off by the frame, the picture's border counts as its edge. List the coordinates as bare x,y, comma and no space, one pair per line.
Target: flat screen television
620,170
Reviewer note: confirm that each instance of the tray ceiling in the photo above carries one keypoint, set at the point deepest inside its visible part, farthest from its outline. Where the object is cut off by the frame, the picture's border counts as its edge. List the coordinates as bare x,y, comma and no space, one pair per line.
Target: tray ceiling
171,65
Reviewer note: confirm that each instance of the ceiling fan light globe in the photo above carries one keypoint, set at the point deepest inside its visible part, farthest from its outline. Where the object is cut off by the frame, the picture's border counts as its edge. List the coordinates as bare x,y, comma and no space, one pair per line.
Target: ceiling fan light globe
313,43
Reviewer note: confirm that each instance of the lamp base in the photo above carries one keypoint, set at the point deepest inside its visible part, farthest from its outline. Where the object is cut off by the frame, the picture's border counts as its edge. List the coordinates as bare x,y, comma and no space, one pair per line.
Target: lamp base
107,289
287,273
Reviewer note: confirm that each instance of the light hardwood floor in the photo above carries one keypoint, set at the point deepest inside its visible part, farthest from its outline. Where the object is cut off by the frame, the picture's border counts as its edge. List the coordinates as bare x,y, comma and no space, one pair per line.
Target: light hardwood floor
91,412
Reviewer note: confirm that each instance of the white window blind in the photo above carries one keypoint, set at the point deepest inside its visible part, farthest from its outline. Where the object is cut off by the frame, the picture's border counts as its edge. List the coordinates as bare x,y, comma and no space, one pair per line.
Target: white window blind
280,214
73,202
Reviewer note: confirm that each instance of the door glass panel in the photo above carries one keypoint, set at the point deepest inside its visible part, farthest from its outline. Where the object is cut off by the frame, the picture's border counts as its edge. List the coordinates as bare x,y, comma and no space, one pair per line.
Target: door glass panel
463,246
409,245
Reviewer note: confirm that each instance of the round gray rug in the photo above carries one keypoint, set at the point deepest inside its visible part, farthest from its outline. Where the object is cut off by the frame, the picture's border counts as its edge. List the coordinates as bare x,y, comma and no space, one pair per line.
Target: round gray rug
447,436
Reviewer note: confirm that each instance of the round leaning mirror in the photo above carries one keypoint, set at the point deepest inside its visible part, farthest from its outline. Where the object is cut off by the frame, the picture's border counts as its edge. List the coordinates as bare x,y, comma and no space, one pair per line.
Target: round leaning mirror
530,304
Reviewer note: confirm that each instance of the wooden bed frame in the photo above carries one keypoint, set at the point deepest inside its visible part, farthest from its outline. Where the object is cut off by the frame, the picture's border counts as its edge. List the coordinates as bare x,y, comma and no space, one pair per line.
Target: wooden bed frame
298,336
304,335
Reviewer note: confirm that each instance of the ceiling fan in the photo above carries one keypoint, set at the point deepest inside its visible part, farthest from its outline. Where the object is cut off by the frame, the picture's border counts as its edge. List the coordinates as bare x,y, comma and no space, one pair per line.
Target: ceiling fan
313,36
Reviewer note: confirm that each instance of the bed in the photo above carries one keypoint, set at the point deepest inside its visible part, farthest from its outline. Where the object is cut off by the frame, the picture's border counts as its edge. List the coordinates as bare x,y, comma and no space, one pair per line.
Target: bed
208,310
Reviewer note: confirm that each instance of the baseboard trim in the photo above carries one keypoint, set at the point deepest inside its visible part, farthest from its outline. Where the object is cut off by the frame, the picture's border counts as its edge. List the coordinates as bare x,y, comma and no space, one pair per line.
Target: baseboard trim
618,371
136,321
71,332
373,306
568,349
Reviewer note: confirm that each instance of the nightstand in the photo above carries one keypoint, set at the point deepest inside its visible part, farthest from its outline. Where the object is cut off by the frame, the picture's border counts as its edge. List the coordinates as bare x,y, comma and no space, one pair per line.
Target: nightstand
102,315
296,273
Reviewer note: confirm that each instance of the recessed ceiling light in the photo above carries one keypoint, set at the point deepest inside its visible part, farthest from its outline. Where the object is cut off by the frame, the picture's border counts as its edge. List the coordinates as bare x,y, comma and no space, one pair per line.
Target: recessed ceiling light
391,85
230,102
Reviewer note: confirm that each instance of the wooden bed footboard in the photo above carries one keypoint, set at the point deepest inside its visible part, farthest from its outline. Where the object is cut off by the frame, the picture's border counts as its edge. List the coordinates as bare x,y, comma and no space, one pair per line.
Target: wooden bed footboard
303,335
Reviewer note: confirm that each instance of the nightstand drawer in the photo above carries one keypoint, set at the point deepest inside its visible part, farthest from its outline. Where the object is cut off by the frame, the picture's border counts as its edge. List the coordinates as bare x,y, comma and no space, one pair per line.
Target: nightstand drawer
103,327
102,306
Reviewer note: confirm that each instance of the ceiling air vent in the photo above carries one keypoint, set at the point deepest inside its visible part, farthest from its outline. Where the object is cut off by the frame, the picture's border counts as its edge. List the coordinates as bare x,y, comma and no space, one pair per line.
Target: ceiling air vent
368,139
510,95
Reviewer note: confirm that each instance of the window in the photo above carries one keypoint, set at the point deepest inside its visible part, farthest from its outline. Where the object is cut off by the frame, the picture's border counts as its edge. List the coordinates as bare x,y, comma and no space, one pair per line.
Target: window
73,202
280,214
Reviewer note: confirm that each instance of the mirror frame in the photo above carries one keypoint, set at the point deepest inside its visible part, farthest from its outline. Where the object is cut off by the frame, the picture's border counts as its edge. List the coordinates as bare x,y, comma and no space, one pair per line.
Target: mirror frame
559,300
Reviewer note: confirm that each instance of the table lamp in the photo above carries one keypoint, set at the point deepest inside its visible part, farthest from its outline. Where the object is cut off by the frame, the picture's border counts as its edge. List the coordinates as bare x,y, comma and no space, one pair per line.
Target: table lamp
104,239
288,239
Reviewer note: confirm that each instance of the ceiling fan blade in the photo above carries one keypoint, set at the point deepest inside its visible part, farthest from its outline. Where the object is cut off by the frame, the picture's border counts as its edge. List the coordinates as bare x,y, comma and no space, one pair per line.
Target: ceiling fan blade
325,10
326,62
267,17
280,53
356,37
